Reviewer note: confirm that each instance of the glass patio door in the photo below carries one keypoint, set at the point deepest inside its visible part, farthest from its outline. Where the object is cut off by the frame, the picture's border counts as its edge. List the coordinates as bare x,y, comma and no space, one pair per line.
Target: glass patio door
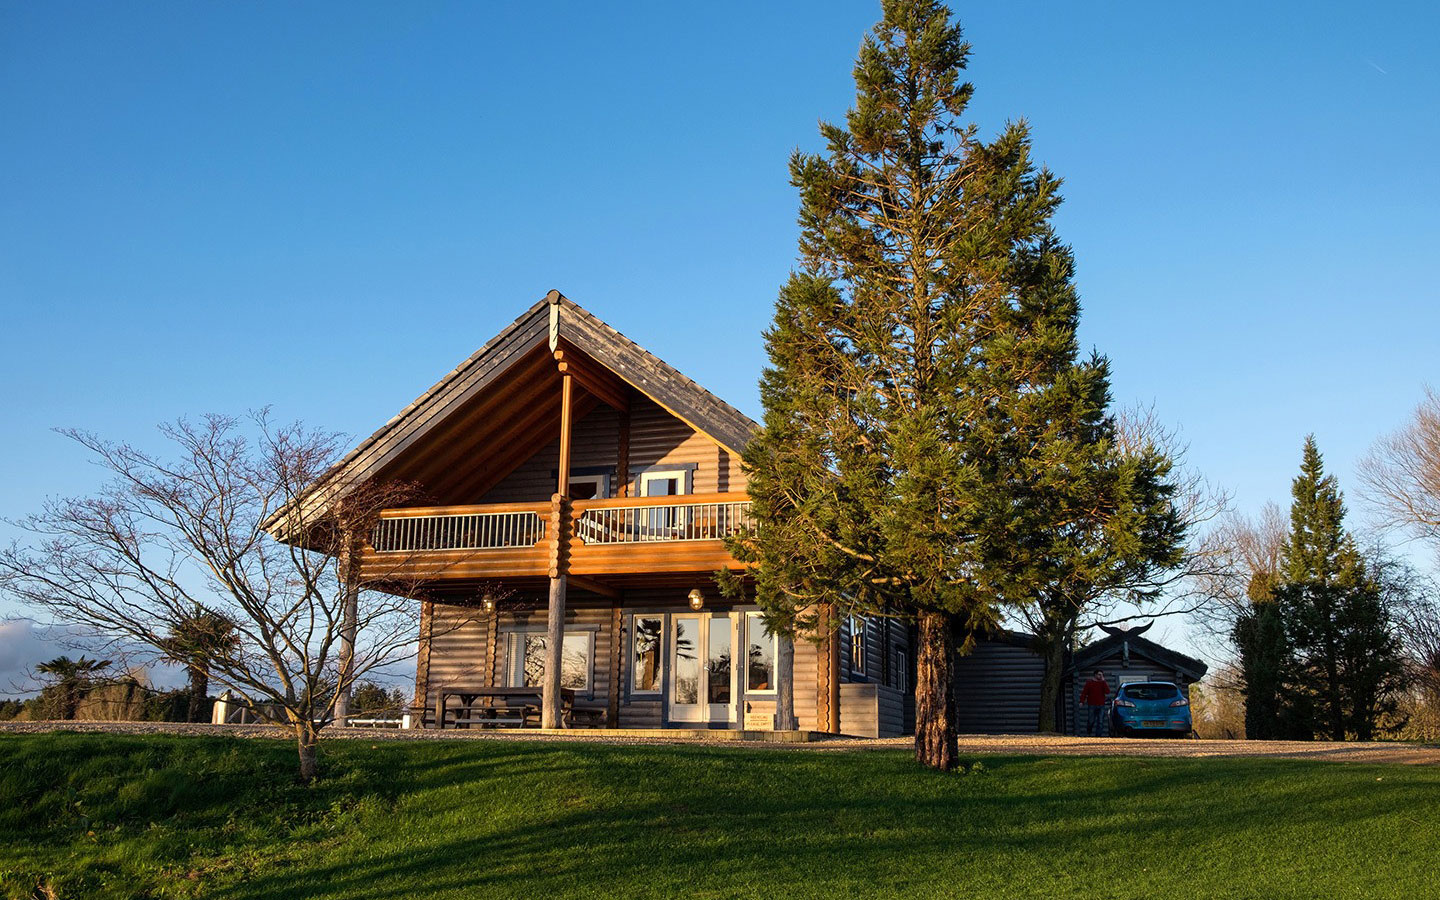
702,688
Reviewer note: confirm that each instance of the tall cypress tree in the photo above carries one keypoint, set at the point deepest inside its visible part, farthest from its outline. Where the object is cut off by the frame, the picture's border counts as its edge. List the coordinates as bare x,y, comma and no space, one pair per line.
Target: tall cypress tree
1348,660
921,397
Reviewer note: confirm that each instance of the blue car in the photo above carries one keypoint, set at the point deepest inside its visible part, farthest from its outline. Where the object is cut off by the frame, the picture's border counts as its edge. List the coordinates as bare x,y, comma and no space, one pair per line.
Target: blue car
1150,708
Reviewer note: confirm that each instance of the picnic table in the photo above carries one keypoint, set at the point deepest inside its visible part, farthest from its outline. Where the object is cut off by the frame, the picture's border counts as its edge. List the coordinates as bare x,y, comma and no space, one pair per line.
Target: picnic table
496,707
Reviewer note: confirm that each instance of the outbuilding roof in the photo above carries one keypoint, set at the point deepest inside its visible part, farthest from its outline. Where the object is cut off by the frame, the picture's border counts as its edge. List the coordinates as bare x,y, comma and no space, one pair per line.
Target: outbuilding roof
1092,655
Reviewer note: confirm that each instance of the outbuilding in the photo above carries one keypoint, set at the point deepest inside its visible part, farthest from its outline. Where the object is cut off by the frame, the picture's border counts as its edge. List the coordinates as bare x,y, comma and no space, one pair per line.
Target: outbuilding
998,683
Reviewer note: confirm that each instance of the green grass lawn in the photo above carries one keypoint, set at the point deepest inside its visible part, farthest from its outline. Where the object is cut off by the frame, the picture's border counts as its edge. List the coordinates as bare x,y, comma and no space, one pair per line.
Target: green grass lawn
169,816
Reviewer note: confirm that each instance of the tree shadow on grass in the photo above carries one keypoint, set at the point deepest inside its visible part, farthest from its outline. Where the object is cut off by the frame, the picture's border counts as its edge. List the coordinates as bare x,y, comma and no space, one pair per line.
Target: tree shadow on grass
566,821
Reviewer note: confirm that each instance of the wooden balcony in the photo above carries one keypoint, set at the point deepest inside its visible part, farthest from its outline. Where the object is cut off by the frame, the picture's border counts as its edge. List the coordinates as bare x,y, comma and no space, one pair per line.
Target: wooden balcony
618,536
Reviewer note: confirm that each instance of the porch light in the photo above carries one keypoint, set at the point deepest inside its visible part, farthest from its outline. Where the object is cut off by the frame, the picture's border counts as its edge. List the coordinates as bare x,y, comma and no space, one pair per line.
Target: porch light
697,599
487,603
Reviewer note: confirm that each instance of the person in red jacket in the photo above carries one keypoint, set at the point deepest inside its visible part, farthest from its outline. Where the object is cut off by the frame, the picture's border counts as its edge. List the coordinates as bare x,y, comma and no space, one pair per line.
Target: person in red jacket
1092,697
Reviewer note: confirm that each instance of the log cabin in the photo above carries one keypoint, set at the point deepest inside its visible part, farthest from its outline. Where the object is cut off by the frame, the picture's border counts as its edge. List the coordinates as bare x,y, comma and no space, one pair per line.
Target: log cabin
578,494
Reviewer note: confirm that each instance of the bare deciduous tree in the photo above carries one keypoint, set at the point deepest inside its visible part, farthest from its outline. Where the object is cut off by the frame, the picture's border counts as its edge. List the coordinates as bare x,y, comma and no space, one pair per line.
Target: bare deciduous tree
1218,704
191,533
1400,477
1401,474
1243,549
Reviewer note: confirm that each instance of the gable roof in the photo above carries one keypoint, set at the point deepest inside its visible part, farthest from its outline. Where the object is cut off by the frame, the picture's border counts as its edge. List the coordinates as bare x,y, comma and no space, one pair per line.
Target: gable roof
555,322
1093,654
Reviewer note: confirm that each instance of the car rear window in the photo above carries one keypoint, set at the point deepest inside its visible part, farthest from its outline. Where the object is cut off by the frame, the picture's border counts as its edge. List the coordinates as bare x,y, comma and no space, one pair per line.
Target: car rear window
1151,691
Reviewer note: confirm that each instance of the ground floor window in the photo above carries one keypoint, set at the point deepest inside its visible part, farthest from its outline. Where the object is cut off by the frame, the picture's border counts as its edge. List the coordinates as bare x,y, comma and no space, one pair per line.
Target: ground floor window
759,654
525,660
647,639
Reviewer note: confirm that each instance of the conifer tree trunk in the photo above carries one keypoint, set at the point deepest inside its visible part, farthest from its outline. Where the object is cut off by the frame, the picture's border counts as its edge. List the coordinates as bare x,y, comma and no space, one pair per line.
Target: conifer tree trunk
935,744
1050,686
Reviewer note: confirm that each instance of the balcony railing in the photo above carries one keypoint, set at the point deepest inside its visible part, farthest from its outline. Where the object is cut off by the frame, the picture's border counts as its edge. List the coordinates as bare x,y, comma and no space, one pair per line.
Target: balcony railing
646,520
459,531
668,522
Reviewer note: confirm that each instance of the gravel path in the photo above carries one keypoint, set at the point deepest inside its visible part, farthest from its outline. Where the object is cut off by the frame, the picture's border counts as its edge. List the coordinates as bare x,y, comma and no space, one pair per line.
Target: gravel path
1044,745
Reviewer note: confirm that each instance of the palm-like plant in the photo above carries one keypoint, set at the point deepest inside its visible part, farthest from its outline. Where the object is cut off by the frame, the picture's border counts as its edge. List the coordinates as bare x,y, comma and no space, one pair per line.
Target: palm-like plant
193,642
71,678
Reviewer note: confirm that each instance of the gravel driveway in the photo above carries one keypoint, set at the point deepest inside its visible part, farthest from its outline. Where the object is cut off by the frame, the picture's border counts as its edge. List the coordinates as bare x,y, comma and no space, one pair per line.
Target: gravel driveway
1043,745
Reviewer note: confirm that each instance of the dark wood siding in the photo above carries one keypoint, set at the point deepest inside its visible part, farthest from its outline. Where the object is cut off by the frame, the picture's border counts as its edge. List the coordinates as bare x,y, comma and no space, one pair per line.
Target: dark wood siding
595,445
997,689
883,638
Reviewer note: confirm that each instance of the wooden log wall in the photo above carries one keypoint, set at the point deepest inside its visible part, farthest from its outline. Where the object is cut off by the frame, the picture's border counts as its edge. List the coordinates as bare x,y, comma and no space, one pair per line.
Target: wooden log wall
595,445
657,439
470,649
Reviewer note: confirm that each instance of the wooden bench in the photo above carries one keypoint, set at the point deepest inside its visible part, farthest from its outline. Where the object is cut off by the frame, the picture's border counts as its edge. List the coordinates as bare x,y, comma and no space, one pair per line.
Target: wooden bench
585,717
489,716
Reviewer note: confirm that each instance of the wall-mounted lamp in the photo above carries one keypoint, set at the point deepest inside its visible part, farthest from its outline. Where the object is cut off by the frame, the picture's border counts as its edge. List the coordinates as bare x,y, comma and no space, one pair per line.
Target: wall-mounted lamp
697,599
487,603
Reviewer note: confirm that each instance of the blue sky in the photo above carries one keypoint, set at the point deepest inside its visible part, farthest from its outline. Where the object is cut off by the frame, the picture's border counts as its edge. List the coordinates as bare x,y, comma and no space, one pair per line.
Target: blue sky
324,207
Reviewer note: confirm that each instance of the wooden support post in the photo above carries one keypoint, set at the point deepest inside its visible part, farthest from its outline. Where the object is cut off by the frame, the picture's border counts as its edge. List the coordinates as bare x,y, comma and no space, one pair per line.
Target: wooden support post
827,675
348,572
550,713
617,676
422,663
622,457
492,649
822,678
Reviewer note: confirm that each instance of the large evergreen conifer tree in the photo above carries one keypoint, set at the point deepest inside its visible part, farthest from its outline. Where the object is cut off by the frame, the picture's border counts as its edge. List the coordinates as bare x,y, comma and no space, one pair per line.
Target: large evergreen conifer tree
924,405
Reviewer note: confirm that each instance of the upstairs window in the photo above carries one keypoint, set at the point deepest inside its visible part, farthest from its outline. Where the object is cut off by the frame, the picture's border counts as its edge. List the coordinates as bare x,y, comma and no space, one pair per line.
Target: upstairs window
663,483
589,487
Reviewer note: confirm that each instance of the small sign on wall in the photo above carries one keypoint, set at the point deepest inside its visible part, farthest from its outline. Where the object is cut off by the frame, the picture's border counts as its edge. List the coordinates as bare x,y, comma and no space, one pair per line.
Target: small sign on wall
759,721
